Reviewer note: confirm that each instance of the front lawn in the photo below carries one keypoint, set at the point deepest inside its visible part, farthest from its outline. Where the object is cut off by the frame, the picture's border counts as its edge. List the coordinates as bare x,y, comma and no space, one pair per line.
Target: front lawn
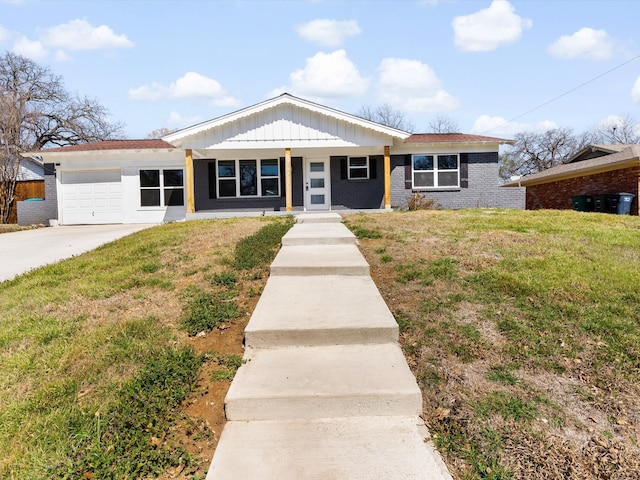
523,330
114,364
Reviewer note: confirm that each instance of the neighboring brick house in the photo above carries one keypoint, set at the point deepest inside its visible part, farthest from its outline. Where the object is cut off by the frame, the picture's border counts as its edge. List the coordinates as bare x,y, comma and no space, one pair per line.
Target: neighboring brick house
284,154
595,170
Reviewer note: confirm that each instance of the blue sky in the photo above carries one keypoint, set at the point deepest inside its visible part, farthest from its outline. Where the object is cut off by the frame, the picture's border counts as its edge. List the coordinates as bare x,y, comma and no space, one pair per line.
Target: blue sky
171,64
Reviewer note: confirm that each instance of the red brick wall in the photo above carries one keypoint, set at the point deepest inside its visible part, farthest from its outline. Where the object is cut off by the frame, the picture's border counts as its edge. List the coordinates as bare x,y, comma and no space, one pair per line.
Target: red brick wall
557,195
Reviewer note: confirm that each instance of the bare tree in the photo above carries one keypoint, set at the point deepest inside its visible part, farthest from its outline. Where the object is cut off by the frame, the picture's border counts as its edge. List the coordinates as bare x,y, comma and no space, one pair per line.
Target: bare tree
534,152
443,124
160,132
37,112
618,130
386,115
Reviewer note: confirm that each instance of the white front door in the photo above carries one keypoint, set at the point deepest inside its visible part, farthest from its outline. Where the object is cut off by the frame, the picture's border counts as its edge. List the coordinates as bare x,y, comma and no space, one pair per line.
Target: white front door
317,194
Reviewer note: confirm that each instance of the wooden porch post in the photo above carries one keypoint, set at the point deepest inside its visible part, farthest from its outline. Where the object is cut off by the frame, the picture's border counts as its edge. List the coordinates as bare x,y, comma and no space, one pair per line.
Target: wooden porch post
288,189
189,180
387,178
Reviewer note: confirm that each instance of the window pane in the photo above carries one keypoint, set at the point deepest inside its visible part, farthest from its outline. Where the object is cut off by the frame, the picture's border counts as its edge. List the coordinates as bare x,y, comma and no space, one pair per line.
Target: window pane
150,197
174,196
447,162
248,177
317,167
358,161
421,179
150,178
226,168
423,162
270,187
173,178
317,199
227,188
317,183
448,179
358,173
269,168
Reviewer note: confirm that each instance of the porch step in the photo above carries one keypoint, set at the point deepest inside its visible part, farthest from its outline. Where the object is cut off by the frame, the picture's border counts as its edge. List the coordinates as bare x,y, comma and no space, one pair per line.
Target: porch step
321,217
319,260
323,382
295,311
319,234
362,448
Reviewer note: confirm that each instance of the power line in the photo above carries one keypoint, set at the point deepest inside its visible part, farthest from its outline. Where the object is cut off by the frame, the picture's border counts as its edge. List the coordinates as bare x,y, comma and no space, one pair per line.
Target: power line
564,94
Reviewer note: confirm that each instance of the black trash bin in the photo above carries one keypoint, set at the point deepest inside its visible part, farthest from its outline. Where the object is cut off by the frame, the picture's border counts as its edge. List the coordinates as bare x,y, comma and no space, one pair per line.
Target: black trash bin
600,203
623,203
582,203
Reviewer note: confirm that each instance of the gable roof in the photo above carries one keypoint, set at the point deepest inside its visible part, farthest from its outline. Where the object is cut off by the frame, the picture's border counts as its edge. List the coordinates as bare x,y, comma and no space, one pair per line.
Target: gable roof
593,151
441,138
177,138
629,156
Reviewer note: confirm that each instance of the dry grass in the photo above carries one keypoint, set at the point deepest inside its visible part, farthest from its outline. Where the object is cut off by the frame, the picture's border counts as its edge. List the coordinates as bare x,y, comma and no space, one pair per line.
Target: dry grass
522,330
73,333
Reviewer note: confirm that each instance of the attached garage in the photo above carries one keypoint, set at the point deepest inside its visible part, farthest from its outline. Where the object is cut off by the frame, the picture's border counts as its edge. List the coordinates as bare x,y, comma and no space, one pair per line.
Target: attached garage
91,197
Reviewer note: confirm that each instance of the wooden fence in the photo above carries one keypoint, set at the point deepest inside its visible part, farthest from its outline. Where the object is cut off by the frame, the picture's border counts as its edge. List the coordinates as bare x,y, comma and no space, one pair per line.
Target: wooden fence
24,190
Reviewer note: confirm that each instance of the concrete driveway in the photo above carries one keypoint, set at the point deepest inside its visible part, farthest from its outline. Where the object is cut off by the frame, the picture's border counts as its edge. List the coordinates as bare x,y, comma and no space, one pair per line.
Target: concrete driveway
28,249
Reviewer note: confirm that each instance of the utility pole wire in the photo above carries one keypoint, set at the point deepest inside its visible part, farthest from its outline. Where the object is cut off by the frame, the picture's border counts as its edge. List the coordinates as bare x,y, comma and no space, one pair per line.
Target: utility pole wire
564,94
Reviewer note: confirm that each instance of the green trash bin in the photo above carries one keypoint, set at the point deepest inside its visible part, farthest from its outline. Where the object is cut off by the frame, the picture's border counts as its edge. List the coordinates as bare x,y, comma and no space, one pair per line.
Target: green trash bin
600,203
582,203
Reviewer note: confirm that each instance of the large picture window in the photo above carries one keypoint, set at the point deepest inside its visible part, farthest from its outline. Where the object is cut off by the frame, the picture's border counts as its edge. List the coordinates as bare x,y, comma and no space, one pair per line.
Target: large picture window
161,188
249,178
436,171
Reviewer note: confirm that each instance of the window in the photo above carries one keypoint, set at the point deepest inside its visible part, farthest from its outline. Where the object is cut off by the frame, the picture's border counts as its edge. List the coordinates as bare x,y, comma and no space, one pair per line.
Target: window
161,187
358,168
435,171
249,178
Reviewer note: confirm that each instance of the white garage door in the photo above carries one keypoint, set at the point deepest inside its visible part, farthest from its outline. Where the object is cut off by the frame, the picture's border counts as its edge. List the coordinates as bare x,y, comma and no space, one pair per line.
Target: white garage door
91,197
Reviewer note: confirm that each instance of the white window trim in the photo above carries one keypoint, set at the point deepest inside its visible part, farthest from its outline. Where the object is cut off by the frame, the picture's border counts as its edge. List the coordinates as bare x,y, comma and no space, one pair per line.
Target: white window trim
259,178
162,188
435,172
364,167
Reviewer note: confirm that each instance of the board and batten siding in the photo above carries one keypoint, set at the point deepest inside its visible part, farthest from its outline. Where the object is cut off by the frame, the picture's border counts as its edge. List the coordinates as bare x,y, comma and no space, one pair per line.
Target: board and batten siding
286,126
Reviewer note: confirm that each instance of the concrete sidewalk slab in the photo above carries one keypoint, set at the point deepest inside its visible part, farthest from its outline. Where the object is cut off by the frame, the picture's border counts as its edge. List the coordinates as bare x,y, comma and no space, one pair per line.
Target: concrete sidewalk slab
28,249
319,234
319,217
320,310
320,260
361,448
319,382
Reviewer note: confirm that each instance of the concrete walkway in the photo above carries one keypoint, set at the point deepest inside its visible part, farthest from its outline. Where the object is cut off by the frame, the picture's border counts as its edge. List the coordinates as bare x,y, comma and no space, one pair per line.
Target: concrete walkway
325,392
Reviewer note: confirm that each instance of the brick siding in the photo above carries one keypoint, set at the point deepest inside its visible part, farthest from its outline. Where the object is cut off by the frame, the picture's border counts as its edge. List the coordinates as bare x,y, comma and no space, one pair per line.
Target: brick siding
40,212
483,190
557,195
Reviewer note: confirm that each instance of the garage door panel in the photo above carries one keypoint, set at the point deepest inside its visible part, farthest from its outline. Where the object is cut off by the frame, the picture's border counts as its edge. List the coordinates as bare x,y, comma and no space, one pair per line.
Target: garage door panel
92,197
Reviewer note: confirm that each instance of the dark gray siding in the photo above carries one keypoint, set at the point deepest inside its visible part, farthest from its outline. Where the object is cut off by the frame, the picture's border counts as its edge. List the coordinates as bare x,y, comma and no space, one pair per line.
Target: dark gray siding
483,189
357,194
203,191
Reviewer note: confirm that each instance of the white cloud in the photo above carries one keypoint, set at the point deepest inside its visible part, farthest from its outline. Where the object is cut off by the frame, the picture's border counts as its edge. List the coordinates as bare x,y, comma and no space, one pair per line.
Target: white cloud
191,85
329,75
32,49
4,34
635,91
585,43
61,56
177,120
412,86
487,29
487,125
327,32
81,35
